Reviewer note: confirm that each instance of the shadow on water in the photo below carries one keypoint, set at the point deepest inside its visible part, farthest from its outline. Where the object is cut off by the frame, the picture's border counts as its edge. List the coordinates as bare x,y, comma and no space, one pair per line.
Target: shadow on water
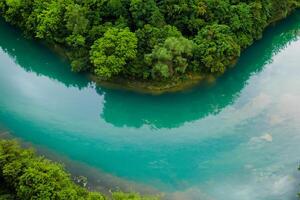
164,111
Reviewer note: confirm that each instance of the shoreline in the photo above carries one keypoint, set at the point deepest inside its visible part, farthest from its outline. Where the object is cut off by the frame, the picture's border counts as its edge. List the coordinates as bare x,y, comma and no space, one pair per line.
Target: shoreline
94,179
139,86
154,88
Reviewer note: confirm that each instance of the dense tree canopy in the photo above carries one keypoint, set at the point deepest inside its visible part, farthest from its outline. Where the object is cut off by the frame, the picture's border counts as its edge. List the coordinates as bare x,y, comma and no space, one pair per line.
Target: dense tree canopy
147,39
110,53
216,47
170,58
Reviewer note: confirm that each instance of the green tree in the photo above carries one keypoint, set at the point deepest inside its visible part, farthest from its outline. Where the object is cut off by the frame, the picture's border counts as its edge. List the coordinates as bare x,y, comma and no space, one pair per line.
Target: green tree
16,11
146,12
110,53
216,48
77,24
170,58
150,36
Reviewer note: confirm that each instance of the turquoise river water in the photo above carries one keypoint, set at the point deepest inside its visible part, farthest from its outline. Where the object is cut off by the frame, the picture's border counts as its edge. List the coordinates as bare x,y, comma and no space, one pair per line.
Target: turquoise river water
235,139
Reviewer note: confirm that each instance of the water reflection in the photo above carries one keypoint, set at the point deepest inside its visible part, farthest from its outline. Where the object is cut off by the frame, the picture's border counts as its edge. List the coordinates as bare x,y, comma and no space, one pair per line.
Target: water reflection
34,57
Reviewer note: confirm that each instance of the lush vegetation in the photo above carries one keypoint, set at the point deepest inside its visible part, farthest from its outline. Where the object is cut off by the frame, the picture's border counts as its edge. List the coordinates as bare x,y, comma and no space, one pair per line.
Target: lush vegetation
151,40
24,175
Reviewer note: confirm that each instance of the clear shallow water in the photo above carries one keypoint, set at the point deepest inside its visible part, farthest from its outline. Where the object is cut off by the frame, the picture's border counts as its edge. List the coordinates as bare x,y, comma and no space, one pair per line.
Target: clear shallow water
235,139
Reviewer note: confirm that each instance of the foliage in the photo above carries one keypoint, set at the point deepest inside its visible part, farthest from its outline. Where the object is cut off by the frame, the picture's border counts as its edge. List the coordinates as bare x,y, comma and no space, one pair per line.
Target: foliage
216,47
32,177
110,53
4,192
171,57
131,38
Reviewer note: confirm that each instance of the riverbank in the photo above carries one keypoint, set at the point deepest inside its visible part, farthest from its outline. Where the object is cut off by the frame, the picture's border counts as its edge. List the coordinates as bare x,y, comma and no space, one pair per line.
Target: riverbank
186,82
177,84
25,175
142,86
155,88
86,176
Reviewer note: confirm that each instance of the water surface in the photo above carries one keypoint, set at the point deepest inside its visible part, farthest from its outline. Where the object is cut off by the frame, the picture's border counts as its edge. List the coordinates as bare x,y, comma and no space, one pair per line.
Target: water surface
237,138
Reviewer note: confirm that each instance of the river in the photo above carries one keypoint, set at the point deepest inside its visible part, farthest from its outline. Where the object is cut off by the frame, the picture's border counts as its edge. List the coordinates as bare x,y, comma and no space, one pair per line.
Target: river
235,138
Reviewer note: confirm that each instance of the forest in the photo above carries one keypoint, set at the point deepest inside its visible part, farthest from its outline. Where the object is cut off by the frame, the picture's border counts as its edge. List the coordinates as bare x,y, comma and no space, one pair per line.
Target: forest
147,40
